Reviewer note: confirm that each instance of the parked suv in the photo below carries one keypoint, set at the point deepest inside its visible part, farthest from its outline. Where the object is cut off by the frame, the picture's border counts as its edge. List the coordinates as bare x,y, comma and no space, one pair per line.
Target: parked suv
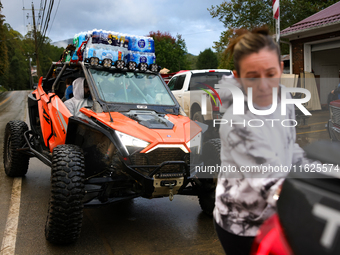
188,88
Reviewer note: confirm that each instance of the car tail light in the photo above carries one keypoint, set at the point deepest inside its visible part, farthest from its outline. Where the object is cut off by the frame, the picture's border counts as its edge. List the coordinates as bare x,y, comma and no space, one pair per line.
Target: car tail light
211,71
270,239
215,106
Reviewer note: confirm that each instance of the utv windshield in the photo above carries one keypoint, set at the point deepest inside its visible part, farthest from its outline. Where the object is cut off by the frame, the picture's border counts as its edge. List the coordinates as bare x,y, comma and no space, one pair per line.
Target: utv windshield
131,88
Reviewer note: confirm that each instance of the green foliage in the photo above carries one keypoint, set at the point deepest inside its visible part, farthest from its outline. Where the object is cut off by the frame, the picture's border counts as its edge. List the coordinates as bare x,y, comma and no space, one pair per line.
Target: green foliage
170,51
243,13
3,47
207,60
15,51
20,49
192,60
248,14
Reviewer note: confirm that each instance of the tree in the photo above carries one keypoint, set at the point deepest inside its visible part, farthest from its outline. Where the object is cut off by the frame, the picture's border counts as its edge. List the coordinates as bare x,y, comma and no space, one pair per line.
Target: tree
16,75
192,60
207,60
170,51
3,47
248,14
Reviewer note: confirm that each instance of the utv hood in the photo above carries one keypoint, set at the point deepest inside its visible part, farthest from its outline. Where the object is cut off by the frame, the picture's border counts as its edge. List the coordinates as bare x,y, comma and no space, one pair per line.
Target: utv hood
157,129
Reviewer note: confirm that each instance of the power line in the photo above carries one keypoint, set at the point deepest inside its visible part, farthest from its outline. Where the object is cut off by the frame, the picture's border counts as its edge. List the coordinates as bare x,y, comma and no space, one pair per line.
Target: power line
41,12
23,12
47,20
55,14
28,16
42,19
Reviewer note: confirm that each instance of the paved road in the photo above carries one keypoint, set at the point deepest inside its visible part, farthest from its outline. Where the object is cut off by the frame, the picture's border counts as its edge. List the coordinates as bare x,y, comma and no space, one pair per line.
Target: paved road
314,129
141,226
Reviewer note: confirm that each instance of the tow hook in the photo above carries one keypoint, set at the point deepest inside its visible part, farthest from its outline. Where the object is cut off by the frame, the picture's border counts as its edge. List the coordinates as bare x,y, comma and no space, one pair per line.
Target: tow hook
171,185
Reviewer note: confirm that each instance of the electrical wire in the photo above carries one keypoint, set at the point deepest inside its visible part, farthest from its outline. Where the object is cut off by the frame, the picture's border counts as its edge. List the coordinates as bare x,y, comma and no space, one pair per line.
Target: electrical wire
55,14
47,20
39,15
23,12
42,19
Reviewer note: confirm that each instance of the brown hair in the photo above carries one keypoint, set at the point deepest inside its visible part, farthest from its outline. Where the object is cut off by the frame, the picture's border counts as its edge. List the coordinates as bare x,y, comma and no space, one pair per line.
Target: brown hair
246,42
69,80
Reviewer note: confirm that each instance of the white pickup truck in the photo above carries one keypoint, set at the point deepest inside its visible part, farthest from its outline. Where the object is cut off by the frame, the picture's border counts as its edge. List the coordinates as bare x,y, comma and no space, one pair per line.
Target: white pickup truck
190,88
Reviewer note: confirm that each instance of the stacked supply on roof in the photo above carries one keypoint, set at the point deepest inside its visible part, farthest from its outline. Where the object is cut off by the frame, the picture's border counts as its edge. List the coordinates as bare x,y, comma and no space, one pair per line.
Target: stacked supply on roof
114,46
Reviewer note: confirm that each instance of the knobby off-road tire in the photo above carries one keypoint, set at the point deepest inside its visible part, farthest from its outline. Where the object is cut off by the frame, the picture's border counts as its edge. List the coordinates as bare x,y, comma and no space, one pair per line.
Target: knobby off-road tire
65,213
15,162
211,156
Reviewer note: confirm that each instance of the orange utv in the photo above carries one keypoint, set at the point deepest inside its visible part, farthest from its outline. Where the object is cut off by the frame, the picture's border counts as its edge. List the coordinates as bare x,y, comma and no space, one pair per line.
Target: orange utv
133,140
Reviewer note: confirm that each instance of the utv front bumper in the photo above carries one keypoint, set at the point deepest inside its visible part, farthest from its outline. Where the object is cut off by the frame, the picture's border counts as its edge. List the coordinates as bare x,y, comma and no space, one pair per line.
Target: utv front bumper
162,172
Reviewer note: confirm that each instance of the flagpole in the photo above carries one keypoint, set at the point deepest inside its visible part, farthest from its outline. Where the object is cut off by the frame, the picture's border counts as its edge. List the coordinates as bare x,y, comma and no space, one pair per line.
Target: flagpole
278,27
276,13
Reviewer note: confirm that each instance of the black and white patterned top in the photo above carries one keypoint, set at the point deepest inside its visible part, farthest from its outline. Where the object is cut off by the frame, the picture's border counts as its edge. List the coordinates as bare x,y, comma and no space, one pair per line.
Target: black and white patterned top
245,199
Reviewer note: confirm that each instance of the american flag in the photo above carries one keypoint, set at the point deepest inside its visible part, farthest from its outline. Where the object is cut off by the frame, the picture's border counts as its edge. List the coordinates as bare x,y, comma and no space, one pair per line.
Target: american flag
276,9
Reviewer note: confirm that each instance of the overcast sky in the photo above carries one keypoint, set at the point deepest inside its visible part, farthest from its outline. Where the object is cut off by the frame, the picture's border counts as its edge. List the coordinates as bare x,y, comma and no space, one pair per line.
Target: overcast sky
190,18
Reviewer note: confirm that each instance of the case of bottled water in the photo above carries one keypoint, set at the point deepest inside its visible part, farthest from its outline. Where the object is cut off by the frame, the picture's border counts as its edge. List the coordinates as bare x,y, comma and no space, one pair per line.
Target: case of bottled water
115,46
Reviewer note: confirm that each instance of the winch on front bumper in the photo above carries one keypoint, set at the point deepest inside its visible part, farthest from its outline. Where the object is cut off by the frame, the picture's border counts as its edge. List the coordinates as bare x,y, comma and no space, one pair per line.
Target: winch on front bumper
162,172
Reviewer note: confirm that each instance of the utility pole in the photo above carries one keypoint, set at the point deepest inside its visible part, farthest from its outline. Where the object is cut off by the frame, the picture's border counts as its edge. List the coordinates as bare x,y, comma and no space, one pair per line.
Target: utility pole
31,77
35,41
35,38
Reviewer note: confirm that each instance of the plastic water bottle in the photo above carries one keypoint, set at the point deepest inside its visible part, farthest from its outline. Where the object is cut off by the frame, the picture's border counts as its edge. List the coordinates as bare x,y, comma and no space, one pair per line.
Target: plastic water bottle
107,53
151,45
95,36
151,58
113,39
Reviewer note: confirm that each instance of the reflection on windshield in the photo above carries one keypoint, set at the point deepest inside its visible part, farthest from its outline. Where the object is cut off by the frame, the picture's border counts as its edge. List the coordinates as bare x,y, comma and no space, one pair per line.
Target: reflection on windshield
128,87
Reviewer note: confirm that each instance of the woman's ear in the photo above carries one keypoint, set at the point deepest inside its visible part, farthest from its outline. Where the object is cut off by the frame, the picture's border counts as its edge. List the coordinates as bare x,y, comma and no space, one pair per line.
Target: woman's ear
282,65
235,74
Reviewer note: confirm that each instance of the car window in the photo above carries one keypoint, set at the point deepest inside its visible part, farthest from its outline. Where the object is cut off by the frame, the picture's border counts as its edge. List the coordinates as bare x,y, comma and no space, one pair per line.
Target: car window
200,80
180,82
177,82
172,83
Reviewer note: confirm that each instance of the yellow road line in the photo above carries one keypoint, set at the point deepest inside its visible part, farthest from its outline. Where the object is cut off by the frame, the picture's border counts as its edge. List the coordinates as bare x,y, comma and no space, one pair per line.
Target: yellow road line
10,235
315,131
318,123
10,95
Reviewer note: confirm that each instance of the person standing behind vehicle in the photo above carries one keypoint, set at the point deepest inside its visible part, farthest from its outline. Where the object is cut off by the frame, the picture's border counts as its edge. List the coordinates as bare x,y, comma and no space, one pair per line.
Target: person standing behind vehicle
80,99
68,90
245,199
334,94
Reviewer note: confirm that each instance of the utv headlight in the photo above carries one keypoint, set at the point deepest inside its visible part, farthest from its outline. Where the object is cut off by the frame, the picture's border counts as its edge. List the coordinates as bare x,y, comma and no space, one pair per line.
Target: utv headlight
132,66
131,144
195,143
107,63
143,67
153,68
94,61
119,64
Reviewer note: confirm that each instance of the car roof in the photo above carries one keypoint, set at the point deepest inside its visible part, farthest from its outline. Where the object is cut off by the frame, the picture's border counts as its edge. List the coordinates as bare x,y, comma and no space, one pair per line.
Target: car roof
203,71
